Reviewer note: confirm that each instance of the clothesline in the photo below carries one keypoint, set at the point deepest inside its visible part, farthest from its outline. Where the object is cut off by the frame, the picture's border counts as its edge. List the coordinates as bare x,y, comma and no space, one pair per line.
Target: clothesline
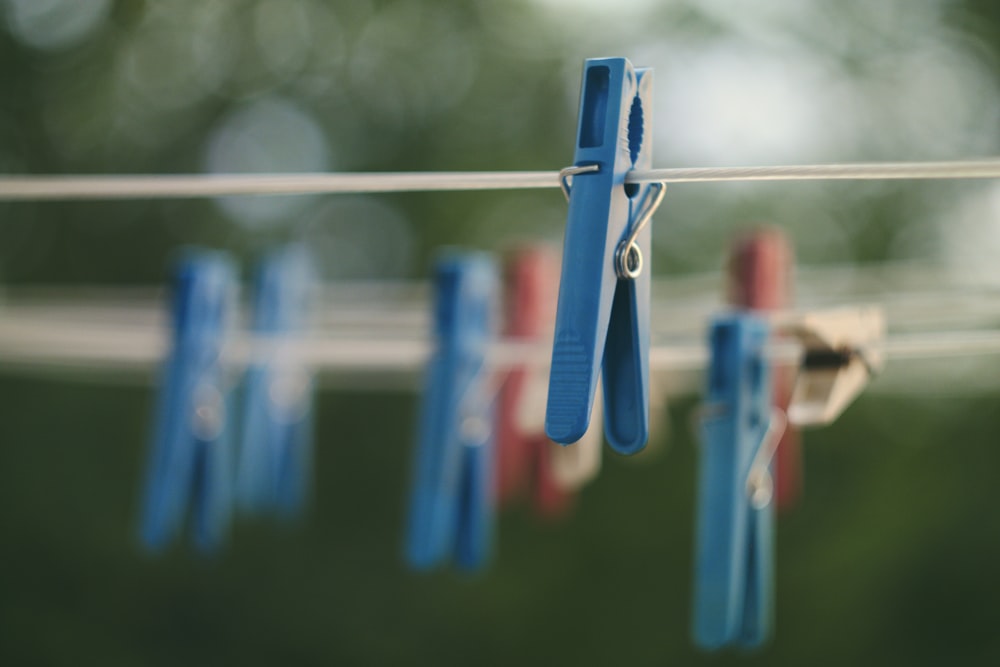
110,346
79,187
679,306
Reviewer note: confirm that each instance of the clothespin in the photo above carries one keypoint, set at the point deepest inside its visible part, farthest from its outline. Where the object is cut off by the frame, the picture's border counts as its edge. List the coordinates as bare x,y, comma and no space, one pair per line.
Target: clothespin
451,501
760,279
522,452
525,455
191,455
843,350
275,456
734,559
602,322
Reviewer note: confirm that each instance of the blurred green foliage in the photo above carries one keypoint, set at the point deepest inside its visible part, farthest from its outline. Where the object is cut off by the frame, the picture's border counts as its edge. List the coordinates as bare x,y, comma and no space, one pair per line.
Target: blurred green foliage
891,557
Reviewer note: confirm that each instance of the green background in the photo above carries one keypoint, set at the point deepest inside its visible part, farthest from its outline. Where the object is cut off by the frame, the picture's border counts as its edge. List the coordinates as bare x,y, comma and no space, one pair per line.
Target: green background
890,558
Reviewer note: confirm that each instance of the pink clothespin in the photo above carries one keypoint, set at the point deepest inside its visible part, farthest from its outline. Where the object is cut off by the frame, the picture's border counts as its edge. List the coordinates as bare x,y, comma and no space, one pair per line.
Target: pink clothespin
528,462
760,278
531,280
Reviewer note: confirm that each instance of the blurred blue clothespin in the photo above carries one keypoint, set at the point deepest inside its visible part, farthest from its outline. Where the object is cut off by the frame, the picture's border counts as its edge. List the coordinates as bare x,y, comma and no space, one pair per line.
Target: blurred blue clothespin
602,321
451,501
191,457
734,559
275,457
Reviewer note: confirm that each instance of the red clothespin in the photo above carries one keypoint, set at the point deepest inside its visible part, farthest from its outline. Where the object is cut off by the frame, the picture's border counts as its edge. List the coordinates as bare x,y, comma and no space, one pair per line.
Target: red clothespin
525,454
760,278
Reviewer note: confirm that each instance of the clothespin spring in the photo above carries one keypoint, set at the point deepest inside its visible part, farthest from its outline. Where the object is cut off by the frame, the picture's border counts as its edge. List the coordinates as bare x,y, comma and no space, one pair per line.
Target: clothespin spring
628,257
474,428
760,483
209,412
566,172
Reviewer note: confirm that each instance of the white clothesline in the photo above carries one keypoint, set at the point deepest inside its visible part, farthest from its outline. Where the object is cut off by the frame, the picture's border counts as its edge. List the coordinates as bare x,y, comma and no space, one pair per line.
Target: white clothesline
166,186
371,309
97,345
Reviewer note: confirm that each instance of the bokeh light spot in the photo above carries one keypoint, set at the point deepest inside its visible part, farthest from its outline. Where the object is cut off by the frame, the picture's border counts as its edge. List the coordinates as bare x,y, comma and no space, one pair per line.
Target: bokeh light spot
267,135
362,238
55,24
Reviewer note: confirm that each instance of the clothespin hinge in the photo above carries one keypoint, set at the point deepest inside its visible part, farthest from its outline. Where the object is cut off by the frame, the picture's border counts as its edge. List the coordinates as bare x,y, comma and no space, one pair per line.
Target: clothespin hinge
628,256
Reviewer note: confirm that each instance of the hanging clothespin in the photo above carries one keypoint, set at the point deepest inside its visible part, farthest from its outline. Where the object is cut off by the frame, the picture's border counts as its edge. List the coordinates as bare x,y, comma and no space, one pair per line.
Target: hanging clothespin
734,559
525,455
191,455
451,500
275,457
760,279
843,350
602,322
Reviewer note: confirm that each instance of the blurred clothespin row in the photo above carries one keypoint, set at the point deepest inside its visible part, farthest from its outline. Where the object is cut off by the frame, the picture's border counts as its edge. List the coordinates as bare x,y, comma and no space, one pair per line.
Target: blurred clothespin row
760,273
191,457
526,459
602,320
194,465
273,472
451,512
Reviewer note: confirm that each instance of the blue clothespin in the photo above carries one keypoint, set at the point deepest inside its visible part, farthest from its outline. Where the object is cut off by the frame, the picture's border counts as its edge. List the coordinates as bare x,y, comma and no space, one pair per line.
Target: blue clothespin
275,457
734,559
451,501
602,322
191,458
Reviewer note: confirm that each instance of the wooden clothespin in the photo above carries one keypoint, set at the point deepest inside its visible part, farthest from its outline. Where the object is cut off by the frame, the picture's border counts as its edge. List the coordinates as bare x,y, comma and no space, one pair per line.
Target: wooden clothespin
843,350
759,273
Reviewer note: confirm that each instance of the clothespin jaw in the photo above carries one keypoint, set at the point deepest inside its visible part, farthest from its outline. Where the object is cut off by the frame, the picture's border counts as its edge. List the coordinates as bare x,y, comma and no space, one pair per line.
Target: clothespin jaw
451,502
602,321
276,451
734,558
843,350
191,457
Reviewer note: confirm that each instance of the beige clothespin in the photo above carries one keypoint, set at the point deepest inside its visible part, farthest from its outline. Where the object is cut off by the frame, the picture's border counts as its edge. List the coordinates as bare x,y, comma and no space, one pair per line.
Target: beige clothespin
843,349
